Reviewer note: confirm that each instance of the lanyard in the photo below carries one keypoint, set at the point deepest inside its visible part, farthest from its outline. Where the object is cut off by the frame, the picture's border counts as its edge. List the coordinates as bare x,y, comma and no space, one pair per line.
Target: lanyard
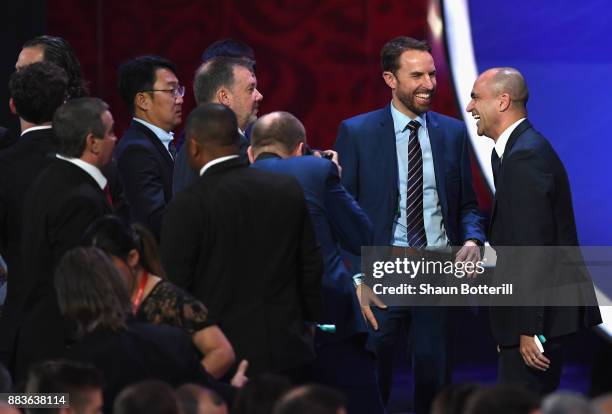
140,292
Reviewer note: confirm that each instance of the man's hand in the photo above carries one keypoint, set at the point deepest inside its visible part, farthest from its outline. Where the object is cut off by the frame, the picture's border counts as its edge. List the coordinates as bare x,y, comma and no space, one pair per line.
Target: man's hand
334,158
470,252
531,354
240,378
367,298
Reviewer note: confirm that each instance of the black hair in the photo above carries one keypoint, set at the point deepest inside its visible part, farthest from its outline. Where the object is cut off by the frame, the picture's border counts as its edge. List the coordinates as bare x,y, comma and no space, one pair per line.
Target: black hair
393,49
228,48
214,74
213,123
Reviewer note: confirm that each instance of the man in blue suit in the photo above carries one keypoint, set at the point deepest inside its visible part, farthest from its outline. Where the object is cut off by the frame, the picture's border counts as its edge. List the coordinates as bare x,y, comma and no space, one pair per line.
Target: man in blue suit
277,142
409,170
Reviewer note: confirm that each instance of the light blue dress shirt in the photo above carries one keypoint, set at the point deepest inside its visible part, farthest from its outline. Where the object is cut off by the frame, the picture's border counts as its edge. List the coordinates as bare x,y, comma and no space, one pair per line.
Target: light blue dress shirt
165,137
432,212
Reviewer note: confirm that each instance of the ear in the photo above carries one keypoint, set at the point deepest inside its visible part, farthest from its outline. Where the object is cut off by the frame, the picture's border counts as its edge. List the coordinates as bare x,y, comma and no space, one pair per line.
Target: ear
91,144
223,96
133,258
12,107
250,154
142,101
390,79
504,102
298,151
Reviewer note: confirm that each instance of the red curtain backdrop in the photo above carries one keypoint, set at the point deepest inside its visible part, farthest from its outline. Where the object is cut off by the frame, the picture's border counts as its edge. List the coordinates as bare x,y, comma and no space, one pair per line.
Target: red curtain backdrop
316,59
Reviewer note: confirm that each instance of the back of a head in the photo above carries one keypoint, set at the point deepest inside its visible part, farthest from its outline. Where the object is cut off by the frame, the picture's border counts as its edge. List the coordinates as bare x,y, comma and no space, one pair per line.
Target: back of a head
90,290
502,399
115,238
76,119
453,398
278,129
57,50
214,74
213,124
196,399
38,90
228,48
311,399
138,75
509,80
566,403
81,381
259,394
151,397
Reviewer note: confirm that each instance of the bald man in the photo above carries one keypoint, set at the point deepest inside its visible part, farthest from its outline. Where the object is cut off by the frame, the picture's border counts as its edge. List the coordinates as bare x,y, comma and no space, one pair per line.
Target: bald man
533,207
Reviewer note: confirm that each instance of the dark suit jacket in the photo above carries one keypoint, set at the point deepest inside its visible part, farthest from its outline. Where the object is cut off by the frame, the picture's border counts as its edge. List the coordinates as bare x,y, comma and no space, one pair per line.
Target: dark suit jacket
60,205
142,352
240,241
7,139
184,175
533,207
338,221
145,167
368,156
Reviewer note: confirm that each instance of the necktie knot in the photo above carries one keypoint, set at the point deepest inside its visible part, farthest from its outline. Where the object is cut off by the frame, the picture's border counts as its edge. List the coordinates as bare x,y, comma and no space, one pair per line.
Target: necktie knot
413,126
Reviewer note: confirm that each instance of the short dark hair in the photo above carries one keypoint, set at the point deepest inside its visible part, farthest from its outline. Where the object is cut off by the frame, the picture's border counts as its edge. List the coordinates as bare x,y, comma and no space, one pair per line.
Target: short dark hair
114,237
310,399
188,397
259,394
64,377
278,128
213,123
138,75
90,290
502,399
38,90
214,74
228,48
393,49
76,119
57,50
152,397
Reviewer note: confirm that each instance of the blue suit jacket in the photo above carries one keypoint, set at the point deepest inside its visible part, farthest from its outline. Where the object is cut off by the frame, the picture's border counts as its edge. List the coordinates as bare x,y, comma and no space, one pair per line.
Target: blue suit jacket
145,167
337,221
368,156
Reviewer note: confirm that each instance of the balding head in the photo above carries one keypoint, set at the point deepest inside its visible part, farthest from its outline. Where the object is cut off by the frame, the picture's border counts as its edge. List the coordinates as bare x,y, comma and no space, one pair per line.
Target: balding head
511,81
278,132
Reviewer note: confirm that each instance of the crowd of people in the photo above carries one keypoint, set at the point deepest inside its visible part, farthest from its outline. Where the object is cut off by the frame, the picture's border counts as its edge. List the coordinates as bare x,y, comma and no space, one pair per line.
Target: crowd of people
219,271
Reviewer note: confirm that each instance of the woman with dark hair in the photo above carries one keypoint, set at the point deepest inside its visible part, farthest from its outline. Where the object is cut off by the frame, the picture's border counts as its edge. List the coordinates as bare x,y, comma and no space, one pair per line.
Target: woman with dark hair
153,299
91,293
56,50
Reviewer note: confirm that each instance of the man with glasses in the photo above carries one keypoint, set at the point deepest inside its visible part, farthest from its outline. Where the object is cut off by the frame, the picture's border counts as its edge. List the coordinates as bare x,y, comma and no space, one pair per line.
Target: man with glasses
145,154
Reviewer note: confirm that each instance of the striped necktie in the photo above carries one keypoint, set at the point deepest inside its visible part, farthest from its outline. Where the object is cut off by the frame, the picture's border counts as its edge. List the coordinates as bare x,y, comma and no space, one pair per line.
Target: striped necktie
415,227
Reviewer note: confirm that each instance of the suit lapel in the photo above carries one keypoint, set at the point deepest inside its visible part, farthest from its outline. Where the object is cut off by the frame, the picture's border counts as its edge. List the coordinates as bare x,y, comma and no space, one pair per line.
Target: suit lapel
436,140
385,142
154,140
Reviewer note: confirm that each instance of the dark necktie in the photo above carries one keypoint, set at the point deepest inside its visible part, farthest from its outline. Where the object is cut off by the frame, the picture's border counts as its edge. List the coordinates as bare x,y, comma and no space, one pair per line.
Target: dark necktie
108,194
415,227
172,149
495,166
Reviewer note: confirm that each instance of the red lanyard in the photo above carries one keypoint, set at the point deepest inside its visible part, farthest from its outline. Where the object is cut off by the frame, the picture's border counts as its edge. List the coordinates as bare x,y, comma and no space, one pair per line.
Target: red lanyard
140,292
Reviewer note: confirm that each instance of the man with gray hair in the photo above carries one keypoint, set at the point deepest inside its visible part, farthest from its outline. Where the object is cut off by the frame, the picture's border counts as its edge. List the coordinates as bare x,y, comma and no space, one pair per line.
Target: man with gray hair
229,81
532,207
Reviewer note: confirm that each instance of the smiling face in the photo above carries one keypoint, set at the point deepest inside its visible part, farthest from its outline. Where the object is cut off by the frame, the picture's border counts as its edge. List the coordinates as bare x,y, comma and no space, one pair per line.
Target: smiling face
413,84
483,106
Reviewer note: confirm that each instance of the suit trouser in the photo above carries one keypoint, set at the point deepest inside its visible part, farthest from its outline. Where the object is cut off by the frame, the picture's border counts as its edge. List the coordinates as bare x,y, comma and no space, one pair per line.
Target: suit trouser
427,333
347,366
512,368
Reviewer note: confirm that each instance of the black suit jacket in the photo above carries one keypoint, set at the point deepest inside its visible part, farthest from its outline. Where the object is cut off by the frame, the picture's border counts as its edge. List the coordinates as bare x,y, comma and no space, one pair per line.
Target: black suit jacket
533,207
240,240
59,207
145,167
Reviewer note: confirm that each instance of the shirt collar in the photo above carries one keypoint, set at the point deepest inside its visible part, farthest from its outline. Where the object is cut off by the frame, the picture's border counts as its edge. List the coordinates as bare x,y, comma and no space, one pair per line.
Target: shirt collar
90,169
500,144
216,161
164,137
35,128
400,120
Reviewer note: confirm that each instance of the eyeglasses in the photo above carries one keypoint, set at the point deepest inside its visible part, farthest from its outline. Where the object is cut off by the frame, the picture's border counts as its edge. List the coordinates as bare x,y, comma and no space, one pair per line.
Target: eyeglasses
176,92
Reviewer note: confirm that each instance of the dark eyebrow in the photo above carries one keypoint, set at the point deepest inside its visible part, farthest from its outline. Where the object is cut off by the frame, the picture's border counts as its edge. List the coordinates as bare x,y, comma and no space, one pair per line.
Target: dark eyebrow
473,95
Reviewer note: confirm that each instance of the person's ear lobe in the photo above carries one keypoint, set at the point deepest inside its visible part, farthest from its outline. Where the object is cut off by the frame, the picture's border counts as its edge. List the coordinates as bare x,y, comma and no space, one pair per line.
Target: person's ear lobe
250,154
390,79
133,258
223,96
142,101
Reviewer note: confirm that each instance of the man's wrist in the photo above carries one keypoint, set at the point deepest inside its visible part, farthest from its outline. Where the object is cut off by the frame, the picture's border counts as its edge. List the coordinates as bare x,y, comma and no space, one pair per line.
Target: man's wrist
475,241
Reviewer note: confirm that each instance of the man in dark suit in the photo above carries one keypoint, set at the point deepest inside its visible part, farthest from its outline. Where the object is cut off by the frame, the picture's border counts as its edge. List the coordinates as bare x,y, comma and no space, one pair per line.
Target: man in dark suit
231,82
145,154
409,169
36,92
277,143
532,207
240,240
66,197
